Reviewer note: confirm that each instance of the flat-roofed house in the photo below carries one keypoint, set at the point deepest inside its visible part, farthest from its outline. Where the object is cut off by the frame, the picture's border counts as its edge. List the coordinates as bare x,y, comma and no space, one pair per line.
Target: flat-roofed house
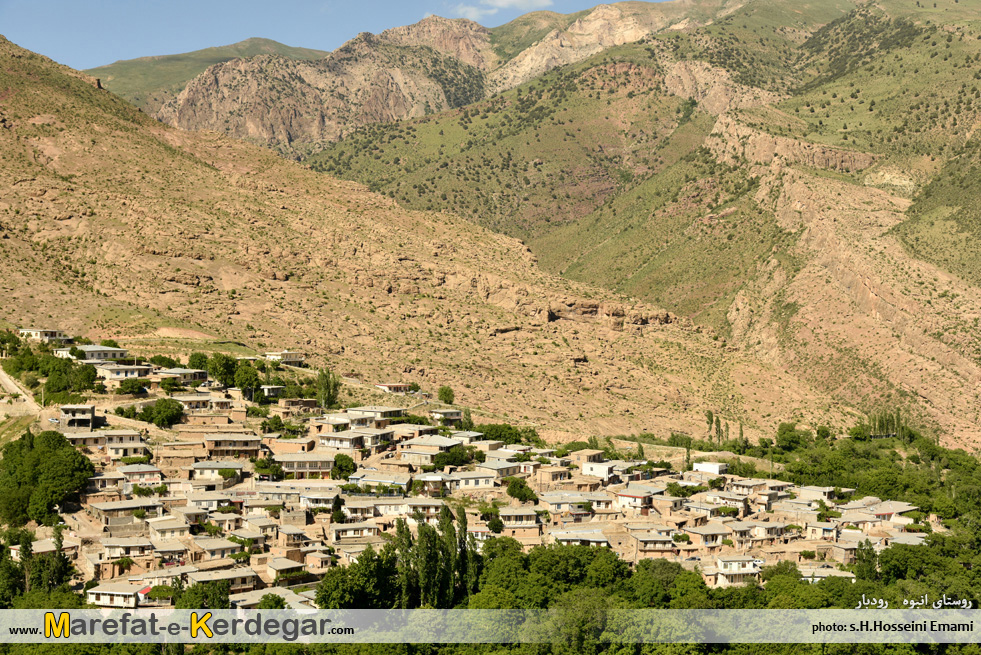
404,431
551,476
372,480
124,443
239,578
473,480
184,375
91,353
211,470
447,416
315,464
232,445
193,402
651,545
586,455
204,549
120,509
288,357
395,387
500,468
77,417
592,537
116,594
380,415
423,450
43,335
113,374
168,528
732,571
520,522
340,532
708,536
142,474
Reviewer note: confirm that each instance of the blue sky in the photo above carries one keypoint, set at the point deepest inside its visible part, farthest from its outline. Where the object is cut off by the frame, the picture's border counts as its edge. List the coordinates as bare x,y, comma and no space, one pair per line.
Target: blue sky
90,33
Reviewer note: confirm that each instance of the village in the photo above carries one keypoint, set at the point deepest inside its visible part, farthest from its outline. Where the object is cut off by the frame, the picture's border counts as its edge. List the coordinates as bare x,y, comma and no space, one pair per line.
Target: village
216,498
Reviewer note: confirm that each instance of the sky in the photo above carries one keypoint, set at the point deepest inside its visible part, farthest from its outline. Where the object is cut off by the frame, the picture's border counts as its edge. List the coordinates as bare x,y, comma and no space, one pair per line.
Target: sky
89,33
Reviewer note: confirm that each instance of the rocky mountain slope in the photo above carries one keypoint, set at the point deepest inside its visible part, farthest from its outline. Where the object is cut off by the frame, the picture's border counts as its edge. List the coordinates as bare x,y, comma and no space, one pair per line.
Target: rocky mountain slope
149,82
791,176
116,225
298,106
294,104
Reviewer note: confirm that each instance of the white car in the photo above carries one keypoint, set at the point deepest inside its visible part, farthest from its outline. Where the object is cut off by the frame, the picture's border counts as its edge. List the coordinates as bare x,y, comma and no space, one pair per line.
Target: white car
53,420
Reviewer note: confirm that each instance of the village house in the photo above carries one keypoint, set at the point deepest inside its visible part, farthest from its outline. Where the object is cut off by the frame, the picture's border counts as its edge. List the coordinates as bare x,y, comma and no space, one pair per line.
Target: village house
92,353
373,480
315,464
467,437
395,387
500,468
43,335
124,443
193,402
204,549
287,357
580,457
714,468
290,407
215,471
591,537
77,417
232,445
168,528
112,374
478,480
142,474
404,431
380,415
116,595
239,578
423,450
132,547
186,376
446,416
732,571
520,521
708,536
121,511
548,477
650,545
341,532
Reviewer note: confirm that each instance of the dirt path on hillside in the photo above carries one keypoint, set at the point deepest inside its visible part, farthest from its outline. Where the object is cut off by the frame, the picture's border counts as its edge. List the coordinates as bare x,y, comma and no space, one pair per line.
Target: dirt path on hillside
26,400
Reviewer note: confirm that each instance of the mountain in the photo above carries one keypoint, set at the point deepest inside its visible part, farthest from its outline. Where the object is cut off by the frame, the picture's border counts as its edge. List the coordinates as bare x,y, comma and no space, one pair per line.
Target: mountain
149,82
793,176
288,103
115,225
297,107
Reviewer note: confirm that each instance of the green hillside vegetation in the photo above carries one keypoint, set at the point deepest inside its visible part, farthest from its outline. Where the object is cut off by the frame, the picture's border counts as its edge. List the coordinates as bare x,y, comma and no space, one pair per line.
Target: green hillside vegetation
148,81
602,172
511,38
944,225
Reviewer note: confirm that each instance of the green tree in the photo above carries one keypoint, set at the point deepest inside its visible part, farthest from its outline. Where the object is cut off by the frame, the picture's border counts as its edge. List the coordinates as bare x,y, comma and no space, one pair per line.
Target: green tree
446,395
271,602
205,595
344,466
38,472
221,367
198,361
109,343
131,386
167,412
246,377
328,388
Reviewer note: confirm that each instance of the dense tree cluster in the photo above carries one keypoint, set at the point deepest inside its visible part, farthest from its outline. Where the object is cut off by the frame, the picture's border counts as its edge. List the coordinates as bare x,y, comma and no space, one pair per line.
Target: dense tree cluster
37,473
